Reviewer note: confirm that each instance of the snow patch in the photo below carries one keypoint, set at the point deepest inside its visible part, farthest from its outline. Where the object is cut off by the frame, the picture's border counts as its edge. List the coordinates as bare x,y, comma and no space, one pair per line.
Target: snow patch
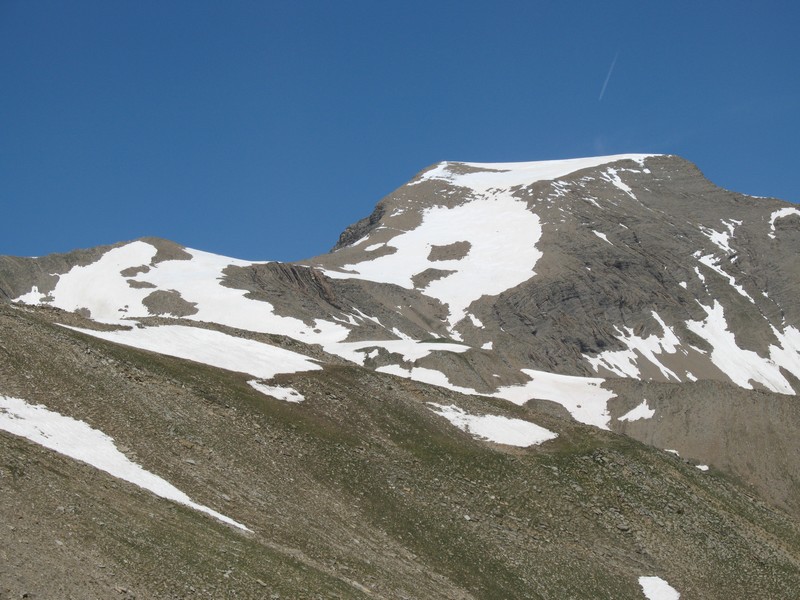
77,440
409,349
743,366
101,288
507,175
780,214
287,394
592,200
642,411
211,348
475,321
495,428
497,227
33,297
611,175
624,362
713,263
583,397
721,239
423,375
655,588
702,467
602,236
400,334
106,293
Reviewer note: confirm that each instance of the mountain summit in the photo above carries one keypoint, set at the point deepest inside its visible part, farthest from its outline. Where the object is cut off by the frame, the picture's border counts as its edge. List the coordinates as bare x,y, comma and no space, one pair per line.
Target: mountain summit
546,302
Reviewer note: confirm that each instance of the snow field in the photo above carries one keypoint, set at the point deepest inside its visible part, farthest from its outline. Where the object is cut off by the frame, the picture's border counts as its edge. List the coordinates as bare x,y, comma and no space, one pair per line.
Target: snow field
79,287
423,375
494,222
496,226
507,175
198,281
722,239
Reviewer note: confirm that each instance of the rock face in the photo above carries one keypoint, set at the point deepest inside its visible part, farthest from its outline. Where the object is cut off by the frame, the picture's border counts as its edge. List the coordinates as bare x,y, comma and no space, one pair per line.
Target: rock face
553,299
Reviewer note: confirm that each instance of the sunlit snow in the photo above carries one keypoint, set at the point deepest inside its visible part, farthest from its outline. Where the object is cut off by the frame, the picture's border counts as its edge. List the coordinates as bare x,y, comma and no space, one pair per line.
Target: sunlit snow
497,227
101,288
495,428
743,366
32,297
496,224
410,350
507,175
655,588
611,175
712,263
602,236
78,440
285,393
700,276
583,397
199,281
642,411
79,288
211,348
475,321
424,375
780,214
625,362
722,239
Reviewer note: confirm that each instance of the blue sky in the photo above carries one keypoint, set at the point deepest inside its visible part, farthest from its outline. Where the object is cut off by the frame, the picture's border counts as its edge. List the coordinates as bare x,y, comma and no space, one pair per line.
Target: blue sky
261,129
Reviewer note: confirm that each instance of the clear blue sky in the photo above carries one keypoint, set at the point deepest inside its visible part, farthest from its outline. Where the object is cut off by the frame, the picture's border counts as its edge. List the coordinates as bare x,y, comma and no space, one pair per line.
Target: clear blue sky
260,129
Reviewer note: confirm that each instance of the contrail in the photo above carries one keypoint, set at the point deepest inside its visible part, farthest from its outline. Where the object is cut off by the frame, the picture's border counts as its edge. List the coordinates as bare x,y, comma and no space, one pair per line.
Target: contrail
610,69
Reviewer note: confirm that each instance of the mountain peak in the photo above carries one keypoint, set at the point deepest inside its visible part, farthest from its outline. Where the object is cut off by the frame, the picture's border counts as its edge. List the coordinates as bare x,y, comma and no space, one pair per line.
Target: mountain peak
485,176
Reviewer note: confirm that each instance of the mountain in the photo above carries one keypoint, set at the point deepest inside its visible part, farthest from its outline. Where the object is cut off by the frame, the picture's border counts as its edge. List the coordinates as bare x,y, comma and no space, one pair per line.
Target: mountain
524,380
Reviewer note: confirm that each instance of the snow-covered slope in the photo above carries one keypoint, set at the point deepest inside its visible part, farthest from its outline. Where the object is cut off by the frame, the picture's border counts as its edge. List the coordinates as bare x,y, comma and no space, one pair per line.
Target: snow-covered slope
548,275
